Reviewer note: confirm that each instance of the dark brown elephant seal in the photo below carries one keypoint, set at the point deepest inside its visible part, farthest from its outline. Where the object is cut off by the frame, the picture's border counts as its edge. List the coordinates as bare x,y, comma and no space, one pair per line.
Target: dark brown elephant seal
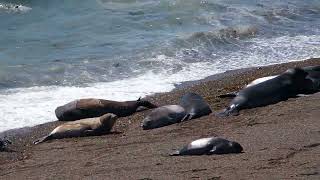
313,76
286,85
83,127
88,108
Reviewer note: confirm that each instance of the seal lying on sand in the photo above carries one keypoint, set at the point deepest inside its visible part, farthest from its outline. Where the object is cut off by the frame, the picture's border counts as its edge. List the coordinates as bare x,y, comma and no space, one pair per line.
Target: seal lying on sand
191,106
83,127
194,105
313,75
280,88
88,108
208,146
163,116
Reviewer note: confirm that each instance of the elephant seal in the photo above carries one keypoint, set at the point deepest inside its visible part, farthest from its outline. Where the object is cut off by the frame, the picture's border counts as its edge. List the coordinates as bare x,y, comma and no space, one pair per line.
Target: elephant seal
280,88
194,105
208,146
83,127
88,108
163,116
313,75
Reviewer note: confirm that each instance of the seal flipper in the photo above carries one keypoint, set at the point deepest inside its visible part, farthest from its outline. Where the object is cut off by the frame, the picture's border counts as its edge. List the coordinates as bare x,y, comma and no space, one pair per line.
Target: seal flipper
43,139
228,95
218,149
186,117
89,132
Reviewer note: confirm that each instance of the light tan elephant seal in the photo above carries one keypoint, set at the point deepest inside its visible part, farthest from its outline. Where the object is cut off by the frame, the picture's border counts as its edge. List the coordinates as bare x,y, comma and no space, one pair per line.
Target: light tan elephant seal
84,127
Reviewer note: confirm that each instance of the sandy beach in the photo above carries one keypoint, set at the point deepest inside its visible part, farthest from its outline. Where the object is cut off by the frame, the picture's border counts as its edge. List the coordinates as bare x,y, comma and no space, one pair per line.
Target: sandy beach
280,141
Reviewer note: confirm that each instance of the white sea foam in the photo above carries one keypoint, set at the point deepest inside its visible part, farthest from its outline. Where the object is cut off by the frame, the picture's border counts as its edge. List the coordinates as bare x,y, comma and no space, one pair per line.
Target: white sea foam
30,106
14,8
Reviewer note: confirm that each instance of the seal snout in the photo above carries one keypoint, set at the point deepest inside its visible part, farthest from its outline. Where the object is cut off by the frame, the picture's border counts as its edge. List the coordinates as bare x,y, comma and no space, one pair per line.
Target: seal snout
146,124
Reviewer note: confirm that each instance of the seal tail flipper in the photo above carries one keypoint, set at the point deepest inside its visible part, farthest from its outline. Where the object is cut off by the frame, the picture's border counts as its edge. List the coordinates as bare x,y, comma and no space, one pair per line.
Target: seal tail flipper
41,140
228,95
146,104
176,153
228,112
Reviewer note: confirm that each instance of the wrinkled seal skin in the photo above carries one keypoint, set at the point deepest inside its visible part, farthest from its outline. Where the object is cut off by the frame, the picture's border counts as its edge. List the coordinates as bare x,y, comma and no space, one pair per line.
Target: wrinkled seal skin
280,88
194,105
208,146
88,108
163,116
83,127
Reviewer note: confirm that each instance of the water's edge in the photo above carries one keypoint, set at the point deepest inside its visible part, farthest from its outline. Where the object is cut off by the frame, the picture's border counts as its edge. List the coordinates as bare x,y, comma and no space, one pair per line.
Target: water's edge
180,86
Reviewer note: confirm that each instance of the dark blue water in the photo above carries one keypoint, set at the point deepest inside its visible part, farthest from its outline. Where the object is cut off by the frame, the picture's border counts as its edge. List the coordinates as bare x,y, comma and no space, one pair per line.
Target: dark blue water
54,51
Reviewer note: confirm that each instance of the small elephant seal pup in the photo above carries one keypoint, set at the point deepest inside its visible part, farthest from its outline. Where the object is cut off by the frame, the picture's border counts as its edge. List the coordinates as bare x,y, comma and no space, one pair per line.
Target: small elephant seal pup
84,127
163,116
280,88
208,146
88,108
194,105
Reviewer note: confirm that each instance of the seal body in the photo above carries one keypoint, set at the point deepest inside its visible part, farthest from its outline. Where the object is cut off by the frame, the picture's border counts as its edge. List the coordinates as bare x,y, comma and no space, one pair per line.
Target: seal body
208,146
83,127
279,88
88,108
194,105
163,116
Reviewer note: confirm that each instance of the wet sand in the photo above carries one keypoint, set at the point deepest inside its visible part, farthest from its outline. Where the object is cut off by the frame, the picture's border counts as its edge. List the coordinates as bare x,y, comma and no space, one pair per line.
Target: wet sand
281,141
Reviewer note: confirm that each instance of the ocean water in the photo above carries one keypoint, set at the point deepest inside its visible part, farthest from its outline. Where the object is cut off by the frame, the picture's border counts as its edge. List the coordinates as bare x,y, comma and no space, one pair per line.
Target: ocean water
52,52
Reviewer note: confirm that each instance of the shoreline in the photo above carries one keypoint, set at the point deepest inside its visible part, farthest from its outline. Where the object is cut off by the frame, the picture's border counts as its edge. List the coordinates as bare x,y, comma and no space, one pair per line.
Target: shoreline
181,86
161,140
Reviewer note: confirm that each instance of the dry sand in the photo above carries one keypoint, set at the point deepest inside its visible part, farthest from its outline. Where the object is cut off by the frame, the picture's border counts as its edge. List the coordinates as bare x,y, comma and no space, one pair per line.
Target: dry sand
281,141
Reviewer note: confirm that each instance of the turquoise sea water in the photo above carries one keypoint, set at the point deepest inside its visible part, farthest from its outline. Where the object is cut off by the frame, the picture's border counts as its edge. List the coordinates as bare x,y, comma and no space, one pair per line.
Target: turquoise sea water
55,51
